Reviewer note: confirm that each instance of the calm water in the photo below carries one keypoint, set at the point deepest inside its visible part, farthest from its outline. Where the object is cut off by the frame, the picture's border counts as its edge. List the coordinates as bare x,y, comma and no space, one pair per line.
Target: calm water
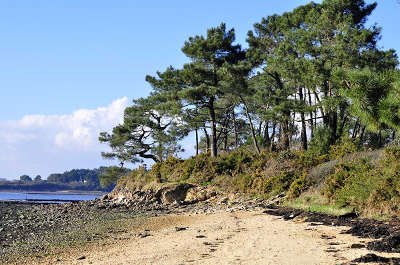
46,197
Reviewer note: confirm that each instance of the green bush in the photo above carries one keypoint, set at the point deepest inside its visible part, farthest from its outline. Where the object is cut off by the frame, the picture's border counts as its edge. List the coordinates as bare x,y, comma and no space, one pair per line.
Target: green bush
373,187
345,147
351,183
298,186
279,183
310,158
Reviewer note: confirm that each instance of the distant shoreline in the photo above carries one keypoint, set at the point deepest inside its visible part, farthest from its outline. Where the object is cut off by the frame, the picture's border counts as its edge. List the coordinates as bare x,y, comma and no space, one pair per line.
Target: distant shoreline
68,192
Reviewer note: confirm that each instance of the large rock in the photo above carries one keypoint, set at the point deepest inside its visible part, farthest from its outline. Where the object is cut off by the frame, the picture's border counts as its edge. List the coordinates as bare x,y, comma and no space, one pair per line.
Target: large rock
166,194
173,193
197,194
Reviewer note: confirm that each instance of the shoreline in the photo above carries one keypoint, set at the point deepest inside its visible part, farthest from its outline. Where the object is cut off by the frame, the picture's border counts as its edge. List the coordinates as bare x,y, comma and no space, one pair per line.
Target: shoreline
66,192
94,224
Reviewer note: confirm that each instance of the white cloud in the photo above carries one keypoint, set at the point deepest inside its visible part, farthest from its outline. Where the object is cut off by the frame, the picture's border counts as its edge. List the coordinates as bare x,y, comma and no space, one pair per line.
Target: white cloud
43,143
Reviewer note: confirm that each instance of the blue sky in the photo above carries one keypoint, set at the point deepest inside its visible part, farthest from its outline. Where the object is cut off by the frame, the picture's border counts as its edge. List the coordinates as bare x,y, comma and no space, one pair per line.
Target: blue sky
58,57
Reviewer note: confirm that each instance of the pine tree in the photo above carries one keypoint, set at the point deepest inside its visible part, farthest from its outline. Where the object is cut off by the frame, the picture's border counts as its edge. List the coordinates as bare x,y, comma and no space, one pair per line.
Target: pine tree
149,131
199,82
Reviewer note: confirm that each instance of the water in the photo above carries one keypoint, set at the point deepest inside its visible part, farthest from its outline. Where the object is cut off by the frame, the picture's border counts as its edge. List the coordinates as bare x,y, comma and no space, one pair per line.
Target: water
46,197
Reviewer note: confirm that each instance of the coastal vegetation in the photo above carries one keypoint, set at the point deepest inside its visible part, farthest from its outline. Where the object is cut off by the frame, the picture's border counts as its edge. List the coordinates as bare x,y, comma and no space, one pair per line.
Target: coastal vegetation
310,110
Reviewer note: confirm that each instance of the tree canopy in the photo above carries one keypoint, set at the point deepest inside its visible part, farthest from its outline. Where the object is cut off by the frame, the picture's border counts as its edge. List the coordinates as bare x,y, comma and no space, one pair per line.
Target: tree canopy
308,78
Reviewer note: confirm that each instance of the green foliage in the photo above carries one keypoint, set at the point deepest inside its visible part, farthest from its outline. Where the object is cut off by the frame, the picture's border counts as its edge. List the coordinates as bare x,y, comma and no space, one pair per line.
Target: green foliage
318,63
374,97
25,178
279,183
345,147
392,153
111,175
136,179
239,171
202,83
298,186
320,140
89,176
149,131
310,158
374,189
351,184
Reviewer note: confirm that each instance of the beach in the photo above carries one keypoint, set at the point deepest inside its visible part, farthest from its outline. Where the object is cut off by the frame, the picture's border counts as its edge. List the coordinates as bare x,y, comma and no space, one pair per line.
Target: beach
204,233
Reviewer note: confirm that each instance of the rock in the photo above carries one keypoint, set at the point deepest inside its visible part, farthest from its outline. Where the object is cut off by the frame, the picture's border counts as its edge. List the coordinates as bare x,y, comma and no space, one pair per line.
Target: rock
174,194
372,258
351,215
198,194
223,200
144,234
291,215
356,245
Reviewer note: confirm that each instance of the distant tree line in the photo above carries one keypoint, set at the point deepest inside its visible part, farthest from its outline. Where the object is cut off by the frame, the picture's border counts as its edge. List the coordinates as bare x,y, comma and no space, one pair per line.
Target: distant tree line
309,78
75,179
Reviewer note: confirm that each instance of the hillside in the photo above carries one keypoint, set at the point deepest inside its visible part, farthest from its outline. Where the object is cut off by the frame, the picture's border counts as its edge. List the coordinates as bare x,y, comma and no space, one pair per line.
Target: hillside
365,182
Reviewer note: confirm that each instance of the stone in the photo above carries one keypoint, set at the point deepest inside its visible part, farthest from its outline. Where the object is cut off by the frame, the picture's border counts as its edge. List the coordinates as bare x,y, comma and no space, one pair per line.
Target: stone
356,245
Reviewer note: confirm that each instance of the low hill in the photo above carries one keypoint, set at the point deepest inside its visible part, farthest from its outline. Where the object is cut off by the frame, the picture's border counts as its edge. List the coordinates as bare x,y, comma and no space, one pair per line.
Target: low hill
365,182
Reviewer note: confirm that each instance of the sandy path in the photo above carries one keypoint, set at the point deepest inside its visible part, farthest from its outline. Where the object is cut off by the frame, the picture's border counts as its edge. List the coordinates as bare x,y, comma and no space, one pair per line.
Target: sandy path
225,238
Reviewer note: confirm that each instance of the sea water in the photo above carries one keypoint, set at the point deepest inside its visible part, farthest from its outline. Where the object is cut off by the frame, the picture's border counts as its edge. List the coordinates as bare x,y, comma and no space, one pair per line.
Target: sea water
56,197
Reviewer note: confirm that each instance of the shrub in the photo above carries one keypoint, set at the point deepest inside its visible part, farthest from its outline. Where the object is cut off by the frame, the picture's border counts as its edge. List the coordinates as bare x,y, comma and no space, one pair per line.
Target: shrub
345,147
310,158
372,187
280,183
351,182
298,186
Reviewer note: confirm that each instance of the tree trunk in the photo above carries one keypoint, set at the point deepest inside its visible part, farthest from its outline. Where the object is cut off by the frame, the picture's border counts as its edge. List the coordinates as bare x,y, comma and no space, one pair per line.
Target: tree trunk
207,139
303,122
251,126
332,127
311,113
260,128
321,108
235,128
267,140
272,147
197,142
355,130
362,136
226,140
213,124
285,131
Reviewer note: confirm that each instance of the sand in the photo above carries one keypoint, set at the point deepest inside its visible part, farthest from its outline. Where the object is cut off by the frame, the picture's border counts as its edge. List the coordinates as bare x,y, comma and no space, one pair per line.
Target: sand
244,237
